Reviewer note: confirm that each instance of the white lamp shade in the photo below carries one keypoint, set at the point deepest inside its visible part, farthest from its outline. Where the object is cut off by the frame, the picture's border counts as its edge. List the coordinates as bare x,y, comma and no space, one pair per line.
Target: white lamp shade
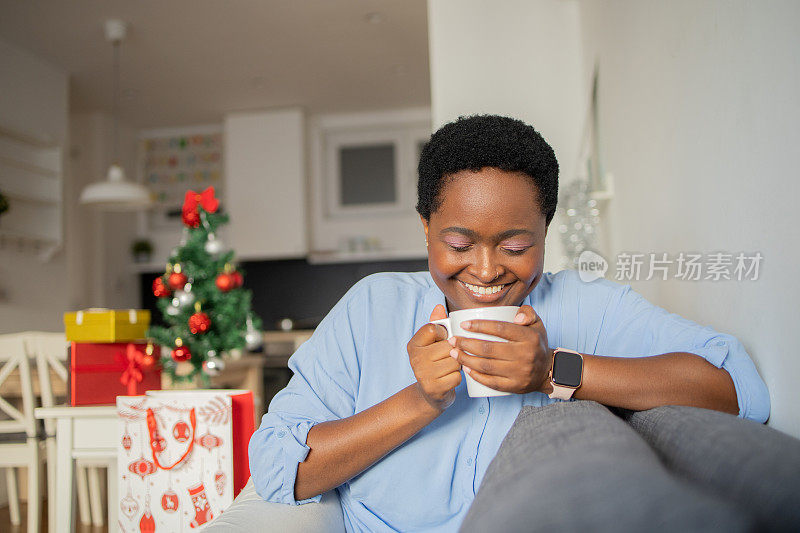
116,193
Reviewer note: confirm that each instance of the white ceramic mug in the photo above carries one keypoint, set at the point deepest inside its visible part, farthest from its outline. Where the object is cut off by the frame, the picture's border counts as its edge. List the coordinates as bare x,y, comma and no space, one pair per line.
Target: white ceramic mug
453,324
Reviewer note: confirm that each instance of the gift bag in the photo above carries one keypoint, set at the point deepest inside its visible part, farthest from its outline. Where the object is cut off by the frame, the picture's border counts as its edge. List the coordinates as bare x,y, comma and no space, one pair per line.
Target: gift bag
182,457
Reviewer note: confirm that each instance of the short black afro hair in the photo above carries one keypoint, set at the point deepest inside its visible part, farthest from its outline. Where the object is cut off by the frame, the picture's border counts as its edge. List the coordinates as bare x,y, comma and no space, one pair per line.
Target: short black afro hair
479,141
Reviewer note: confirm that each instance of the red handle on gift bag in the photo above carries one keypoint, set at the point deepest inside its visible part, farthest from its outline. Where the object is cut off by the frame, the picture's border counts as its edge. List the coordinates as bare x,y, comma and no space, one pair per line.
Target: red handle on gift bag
152,429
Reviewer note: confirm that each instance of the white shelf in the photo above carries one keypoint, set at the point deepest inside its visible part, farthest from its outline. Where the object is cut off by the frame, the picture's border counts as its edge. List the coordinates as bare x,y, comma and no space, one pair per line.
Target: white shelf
31,179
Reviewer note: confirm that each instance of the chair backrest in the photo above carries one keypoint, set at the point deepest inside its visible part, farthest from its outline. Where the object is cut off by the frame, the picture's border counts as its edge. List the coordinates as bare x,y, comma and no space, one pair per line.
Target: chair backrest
50,351
14,356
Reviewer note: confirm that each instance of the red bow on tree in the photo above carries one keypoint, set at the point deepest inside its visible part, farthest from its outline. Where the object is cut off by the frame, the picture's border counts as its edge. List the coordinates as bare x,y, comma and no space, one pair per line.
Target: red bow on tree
190,213
204,199
133,373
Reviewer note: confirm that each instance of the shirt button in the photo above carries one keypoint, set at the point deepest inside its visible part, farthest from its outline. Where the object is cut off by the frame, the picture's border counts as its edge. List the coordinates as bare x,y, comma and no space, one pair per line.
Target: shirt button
281,434
482,410
469,461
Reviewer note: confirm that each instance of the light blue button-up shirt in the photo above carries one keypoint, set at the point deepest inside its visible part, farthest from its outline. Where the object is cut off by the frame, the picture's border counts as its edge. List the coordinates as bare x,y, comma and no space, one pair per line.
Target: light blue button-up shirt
357,358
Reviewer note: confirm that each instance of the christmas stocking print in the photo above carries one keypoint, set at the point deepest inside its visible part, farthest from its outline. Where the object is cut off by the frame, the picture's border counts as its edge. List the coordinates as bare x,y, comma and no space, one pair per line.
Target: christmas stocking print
202,511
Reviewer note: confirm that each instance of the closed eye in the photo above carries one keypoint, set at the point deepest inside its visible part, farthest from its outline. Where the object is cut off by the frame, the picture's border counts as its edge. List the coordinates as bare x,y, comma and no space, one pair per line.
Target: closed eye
516,251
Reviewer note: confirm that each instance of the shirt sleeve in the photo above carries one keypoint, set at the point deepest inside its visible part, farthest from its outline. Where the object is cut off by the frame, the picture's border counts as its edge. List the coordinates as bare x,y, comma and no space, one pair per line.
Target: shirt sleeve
323,388
633,327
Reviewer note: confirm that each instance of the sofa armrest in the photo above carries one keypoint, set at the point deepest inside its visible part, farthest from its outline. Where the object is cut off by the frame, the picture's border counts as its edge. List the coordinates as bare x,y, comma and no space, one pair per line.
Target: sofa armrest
249,512
755,466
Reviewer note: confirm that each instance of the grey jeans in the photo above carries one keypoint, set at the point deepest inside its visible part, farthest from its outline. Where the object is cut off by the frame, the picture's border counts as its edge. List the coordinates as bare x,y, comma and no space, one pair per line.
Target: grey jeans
576,466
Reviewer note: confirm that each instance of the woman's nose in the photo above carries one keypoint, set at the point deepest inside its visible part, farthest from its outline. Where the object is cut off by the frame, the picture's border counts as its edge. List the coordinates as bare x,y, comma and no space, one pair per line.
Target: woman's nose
487,268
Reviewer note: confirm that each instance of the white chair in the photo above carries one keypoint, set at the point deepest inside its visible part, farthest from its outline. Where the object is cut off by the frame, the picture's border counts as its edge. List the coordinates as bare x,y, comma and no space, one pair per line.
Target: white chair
19,442
50,351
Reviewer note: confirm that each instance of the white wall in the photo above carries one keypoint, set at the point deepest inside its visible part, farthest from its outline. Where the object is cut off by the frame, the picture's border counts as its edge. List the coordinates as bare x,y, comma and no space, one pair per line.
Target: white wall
99,243
33,100
520,58
698,115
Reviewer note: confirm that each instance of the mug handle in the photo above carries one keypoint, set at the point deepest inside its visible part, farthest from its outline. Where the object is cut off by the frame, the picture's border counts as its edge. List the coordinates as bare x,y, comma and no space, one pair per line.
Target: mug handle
446,323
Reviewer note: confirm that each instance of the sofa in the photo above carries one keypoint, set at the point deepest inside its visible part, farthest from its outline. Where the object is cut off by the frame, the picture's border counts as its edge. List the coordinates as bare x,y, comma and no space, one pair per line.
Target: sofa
731,475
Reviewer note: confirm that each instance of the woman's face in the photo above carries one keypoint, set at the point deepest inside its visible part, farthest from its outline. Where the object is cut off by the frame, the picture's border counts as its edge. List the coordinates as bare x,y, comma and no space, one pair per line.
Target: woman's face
486,240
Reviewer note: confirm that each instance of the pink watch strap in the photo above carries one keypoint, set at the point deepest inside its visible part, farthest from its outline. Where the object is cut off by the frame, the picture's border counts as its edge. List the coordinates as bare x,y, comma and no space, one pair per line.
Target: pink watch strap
560,392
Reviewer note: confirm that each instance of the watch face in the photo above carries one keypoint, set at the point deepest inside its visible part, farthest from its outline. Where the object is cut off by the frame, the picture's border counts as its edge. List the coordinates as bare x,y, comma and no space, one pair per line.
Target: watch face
567,369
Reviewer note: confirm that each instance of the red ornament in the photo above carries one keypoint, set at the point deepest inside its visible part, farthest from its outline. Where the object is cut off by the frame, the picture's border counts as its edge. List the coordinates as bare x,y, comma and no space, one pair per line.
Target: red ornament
169,501
148,362
150,357
177,280
225,282
160,290
238,279
142,467
126,441
208,441
158,442
191,218
219,482
199,323
181,353
147,524
181,431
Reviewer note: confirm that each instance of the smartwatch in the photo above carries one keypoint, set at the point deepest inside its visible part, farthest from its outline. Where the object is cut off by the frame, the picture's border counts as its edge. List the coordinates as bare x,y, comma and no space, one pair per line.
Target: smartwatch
566,375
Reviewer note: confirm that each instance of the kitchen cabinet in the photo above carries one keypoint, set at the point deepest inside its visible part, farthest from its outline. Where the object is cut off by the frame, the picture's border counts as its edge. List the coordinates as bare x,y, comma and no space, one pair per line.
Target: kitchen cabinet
265,184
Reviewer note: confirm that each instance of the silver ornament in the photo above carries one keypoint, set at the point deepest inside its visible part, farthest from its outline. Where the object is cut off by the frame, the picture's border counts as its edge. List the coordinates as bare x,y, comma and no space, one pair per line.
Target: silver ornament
185,296
252,337
174,308
213,366
213,245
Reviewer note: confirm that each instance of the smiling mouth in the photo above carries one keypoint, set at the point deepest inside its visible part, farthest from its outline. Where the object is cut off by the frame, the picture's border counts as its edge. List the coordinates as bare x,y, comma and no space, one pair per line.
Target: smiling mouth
485,293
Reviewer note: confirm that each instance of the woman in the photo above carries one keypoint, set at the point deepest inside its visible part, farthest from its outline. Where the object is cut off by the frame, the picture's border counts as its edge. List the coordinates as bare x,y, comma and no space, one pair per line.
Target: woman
377,407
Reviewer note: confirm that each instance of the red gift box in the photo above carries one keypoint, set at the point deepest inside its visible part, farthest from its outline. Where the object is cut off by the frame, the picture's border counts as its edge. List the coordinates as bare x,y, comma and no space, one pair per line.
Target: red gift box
99,372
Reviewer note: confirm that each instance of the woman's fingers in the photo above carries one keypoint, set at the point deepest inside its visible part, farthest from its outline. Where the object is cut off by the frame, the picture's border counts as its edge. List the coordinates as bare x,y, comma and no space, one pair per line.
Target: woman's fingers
428,335
485,365
494,349
500,383
526,316
438,313
445,366
504,330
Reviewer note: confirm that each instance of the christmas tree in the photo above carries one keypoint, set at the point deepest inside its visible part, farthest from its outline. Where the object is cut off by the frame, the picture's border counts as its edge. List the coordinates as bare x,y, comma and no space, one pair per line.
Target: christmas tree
200,296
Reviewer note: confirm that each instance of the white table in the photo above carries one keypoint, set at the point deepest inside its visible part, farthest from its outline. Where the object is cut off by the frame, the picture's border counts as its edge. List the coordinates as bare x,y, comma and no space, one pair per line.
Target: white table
81,433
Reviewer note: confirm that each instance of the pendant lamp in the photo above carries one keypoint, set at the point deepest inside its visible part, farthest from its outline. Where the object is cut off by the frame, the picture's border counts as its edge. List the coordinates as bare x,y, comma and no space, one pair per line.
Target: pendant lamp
116,193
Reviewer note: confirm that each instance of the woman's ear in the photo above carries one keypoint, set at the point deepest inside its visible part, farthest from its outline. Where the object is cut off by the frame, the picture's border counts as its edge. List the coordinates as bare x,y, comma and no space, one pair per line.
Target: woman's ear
425,227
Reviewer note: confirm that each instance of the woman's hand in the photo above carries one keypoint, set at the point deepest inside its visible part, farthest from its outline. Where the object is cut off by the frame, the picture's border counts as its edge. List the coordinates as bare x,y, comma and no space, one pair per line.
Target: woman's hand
438,374
520,365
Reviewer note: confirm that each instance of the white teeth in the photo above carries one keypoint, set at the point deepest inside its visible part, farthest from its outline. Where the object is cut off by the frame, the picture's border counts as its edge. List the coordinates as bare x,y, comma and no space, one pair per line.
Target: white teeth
484,290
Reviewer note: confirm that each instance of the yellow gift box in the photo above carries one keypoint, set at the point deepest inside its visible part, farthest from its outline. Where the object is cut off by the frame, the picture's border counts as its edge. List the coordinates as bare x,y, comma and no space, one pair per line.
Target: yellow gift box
106,325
